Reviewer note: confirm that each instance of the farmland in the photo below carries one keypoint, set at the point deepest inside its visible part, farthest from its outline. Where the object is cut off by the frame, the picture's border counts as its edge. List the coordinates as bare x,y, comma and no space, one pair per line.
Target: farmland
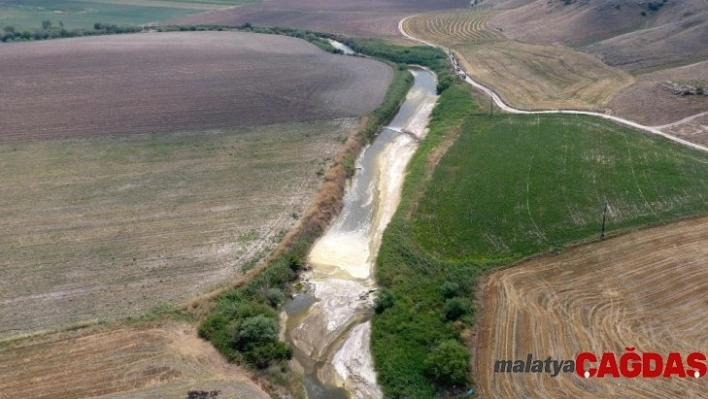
148,360
526,76
645,290
507,188
110,227
177,81
29,14
361,18
548,185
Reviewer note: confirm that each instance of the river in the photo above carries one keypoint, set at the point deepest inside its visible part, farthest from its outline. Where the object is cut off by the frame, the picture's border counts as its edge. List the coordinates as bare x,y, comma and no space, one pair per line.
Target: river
329,324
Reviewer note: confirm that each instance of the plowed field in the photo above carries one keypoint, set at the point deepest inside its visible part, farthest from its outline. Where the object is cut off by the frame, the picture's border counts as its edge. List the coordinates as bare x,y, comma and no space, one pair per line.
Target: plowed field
362,18
177,82
646,290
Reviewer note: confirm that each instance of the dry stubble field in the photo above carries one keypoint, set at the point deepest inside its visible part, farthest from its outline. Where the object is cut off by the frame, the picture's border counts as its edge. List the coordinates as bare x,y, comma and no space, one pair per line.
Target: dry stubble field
138,362
527,76
645,289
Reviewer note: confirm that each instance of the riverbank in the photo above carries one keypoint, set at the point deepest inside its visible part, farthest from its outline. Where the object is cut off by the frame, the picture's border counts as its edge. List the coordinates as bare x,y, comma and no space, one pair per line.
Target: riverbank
332,334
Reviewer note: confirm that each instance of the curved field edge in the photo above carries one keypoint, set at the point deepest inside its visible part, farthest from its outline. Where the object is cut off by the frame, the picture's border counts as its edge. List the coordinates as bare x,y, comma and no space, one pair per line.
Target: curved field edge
252,305
425,270
645,289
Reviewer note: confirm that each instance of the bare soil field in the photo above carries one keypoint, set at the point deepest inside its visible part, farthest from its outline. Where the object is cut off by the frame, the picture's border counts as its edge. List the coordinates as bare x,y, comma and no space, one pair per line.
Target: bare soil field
110,227
652,104
359,18
161,361
645,289
177,82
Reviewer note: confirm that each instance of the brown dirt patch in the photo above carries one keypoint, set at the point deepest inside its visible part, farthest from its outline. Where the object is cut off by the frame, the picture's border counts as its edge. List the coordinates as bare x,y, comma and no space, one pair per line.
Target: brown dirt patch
359,18
177,82
645,289
647,102
160,361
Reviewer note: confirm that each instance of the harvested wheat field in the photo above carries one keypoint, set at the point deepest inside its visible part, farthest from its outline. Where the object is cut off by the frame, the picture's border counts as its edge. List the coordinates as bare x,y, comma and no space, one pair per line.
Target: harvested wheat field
160,361
452,28
182,81
526,76
360,18
646,289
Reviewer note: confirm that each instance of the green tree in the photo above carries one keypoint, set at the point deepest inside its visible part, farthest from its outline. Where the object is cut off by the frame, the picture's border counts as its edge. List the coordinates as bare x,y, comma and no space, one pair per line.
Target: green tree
9,29
449,363
256,330
46,24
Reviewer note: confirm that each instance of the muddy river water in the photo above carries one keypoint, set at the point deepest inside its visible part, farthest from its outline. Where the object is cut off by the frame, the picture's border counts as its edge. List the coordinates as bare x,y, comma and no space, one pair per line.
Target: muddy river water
328,324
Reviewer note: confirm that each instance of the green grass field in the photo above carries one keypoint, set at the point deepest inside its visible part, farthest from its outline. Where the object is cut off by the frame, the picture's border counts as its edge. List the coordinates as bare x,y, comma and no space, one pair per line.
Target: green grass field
509,187
29,14
514,186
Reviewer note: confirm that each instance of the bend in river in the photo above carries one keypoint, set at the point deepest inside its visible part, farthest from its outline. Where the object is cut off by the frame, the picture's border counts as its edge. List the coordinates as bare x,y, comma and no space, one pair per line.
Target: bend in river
329,324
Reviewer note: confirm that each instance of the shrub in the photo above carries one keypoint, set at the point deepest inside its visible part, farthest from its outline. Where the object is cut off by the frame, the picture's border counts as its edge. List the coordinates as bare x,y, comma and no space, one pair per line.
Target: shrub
384,300
275,297
449,289
256,330
449,363
456,308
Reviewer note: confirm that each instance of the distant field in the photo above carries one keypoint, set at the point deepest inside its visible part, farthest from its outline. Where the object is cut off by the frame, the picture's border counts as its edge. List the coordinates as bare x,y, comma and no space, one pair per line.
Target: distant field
179,81
165,360
518,185
360,18
29,14
453,28
105,228
644,290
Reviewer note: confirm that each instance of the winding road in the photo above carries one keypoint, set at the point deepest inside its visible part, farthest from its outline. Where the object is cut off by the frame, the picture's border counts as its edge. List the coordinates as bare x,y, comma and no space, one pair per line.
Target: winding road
505,107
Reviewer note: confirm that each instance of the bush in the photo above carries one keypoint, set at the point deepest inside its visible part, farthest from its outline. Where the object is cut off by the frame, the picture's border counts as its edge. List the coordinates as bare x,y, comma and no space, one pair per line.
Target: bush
384,300
275,297
449,363
456,308
449,289
256,330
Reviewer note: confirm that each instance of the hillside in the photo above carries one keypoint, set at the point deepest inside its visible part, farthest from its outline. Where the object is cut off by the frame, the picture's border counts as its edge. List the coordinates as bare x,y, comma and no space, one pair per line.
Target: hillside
630,34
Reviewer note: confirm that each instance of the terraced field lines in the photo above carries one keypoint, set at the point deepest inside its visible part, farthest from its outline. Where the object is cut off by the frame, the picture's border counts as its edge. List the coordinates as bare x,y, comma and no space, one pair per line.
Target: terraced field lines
453,28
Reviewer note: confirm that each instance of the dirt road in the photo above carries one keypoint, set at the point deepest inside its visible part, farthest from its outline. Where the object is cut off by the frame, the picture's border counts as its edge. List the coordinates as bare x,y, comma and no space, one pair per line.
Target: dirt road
507,108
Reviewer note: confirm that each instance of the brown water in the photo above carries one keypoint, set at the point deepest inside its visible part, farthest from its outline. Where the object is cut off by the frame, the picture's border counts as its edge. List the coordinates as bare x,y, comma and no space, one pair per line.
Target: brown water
329,324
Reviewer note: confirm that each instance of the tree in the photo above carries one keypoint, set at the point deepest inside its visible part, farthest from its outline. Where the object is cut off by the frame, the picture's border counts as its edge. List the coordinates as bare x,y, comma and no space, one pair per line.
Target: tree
97,26
449,363
256,330
46,24
9,29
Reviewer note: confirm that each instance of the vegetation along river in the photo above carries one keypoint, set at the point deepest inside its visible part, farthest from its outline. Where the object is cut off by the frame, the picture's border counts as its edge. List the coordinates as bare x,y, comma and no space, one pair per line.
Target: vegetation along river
328,324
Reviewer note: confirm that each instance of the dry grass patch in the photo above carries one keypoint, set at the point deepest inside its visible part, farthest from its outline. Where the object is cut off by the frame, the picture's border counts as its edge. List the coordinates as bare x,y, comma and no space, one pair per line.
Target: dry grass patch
645,290
113,227
160,361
